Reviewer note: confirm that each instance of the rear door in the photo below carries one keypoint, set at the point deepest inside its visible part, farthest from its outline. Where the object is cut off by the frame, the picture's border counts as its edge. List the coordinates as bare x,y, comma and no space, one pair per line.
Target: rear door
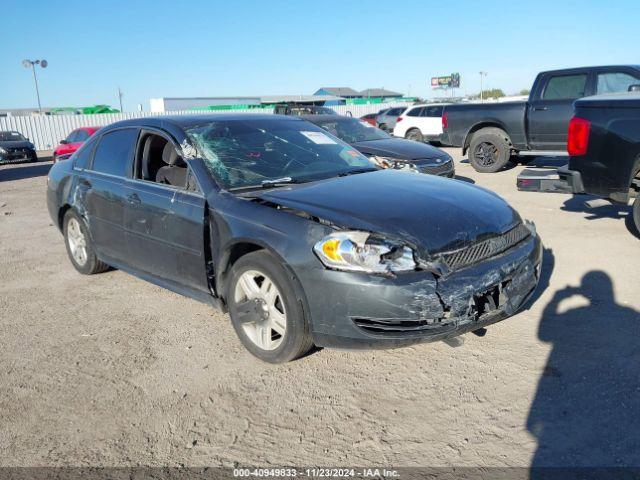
432,121
103,187
549,113
165,223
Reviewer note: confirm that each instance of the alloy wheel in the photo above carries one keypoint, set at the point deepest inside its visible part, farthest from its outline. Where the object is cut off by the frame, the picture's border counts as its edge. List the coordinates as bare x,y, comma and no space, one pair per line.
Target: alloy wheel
77,242
260,309
486,154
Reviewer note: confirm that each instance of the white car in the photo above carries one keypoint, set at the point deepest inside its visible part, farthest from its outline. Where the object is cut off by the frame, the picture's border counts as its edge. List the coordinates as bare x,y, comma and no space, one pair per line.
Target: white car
421,123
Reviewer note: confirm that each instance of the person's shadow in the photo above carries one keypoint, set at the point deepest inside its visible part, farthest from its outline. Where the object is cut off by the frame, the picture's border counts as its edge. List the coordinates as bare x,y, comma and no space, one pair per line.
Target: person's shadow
586,412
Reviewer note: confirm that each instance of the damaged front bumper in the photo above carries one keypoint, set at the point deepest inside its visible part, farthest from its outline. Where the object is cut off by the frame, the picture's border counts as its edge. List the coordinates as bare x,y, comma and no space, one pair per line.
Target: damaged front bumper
355,310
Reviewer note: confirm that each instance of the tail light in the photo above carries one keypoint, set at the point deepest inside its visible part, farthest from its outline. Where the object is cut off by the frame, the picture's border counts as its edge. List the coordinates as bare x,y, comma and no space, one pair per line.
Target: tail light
578,136
399,119
445,122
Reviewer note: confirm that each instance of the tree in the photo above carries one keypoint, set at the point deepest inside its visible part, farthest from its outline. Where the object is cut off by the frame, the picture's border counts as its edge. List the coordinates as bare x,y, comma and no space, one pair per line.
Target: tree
524,91
490,93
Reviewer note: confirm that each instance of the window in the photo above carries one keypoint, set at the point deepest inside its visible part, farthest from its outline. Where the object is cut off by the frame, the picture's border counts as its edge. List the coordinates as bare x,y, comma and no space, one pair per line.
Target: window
71,138
416,112
395,112
83,155
433,111
114,151
614,82
81,135
565,86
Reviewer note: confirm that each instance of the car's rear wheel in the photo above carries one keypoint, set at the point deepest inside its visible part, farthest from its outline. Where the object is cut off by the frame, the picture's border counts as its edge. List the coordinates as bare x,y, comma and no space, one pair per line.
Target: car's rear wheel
415,135
489,150
79,246
264,310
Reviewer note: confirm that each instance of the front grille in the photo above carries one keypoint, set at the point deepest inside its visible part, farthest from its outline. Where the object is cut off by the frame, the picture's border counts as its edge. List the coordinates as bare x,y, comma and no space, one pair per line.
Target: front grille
435,169
486,248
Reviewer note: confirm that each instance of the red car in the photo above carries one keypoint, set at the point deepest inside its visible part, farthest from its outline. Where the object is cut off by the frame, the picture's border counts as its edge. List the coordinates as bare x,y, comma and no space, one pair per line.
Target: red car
73,142
370,119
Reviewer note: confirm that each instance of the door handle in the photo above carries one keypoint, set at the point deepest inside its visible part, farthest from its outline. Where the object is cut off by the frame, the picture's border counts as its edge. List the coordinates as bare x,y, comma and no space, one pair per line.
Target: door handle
133,199
540,109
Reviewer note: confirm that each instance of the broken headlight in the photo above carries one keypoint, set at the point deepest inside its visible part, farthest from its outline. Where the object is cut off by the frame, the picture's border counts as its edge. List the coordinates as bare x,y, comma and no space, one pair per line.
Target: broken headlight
362,252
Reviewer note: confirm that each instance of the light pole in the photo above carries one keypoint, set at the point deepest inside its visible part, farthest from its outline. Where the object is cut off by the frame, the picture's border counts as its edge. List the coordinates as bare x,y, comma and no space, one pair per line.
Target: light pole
32,64
482,75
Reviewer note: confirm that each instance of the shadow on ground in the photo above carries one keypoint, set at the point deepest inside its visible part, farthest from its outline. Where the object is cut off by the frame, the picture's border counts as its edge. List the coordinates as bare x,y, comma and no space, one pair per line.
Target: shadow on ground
22,171
603,210
586,409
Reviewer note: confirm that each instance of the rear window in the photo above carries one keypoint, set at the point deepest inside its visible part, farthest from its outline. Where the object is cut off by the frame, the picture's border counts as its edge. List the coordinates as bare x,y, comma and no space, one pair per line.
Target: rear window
83,154
114,152
394,112
565,86
615,82
416,112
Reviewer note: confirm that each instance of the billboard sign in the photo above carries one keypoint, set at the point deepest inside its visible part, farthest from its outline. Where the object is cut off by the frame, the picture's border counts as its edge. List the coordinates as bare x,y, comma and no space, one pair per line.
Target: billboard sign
449,81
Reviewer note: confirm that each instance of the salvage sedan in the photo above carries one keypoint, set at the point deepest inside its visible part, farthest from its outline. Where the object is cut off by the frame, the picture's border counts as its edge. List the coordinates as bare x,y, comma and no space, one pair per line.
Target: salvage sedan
14,148
383,149
300,237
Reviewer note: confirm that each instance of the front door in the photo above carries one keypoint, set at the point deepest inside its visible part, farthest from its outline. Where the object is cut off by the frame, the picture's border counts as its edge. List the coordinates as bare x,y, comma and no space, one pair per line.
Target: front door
165,222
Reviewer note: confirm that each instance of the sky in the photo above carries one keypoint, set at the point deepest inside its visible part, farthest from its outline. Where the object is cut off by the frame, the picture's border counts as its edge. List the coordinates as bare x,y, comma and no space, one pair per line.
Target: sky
268,47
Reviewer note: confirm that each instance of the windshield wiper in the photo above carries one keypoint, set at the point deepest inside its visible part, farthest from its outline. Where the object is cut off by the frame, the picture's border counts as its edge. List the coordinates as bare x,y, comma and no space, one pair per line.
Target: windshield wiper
356,171
277,181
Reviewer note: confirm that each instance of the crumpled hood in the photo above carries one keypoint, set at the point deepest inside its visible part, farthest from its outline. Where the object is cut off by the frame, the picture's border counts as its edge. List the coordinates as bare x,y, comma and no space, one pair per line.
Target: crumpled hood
401,149
16,144
428,212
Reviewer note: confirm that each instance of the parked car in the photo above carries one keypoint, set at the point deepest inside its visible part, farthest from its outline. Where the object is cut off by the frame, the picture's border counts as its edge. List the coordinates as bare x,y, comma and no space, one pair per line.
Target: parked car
299,109
604,147
383,149
386,119
370,118
298,235
15,148
420,123
493,132
73,142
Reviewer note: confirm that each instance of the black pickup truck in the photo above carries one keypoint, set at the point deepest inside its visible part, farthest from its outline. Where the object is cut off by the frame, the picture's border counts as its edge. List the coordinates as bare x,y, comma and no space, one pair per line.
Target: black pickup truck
604,147
493,132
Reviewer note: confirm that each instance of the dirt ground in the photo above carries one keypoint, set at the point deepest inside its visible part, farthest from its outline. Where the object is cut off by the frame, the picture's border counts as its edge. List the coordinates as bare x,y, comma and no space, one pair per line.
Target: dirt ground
110,370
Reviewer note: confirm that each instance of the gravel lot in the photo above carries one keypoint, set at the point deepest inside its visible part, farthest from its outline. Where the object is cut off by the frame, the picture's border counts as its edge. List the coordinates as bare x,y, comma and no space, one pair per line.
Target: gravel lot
110,370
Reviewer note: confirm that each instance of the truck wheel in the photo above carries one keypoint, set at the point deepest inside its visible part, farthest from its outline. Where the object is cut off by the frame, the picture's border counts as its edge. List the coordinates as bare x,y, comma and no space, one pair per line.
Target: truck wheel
264,310
489,150
636,212
415,135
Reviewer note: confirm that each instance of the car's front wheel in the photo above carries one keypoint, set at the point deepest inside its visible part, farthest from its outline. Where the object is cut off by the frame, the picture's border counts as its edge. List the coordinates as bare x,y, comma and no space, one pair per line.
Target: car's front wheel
79,246
264,310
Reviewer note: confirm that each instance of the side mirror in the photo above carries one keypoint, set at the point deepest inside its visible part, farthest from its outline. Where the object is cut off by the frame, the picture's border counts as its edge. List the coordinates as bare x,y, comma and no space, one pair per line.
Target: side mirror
634,88
63,142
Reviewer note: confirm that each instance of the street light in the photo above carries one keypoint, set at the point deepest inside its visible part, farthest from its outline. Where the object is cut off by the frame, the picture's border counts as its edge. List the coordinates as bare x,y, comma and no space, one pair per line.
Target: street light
32,64
482,75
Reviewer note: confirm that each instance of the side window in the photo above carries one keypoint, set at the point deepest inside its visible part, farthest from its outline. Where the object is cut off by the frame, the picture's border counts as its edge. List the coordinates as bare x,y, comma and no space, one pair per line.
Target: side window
416,112
71,138
433,111
114,152
158,161
565,87
83,155
81,136
615,82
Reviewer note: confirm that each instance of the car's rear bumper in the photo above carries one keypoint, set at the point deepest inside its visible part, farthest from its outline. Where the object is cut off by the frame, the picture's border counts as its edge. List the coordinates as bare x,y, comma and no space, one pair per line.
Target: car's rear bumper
354,310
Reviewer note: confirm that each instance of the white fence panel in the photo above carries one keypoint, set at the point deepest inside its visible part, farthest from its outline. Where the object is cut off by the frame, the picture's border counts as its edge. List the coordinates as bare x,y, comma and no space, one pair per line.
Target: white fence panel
46,131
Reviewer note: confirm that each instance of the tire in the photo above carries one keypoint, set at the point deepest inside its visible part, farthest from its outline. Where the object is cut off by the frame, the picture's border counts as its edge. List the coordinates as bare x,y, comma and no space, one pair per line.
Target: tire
269,321
414,134
636,213
489,150
383,127
76,236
